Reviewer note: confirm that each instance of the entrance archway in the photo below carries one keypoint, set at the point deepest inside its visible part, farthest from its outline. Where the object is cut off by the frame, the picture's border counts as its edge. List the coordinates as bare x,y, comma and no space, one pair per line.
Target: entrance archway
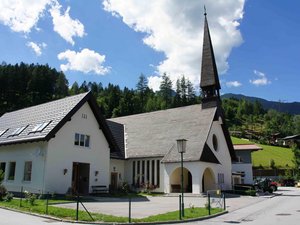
208,180
175,181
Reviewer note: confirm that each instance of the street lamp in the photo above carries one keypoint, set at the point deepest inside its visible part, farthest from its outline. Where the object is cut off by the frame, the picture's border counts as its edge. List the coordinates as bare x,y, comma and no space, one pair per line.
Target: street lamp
181,146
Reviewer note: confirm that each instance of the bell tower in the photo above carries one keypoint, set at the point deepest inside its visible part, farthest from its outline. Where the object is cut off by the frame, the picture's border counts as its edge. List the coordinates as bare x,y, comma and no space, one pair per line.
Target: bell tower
209,83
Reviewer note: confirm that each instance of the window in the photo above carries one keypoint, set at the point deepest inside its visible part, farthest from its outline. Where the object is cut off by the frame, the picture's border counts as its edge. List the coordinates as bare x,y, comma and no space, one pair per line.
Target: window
143,171
133,172
215,142
221,178
239,159
3,132
146,172
2,166
40,127
153,173
82,140
87,141
76,142
81,143
17,131
12,170
158,173
27,171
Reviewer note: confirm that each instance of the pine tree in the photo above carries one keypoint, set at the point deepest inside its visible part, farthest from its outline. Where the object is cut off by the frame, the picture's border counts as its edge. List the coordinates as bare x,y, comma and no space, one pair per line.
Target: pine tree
165,92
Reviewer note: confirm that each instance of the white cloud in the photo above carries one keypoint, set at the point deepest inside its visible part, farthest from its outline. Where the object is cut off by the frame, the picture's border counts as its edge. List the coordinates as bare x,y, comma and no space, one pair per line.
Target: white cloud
262,80
37,48
22,15
86,61
154,82
233,84
64,25
176,29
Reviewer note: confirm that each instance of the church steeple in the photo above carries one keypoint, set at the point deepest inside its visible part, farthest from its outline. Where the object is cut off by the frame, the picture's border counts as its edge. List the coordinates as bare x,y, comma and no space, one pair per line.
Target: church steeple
209,83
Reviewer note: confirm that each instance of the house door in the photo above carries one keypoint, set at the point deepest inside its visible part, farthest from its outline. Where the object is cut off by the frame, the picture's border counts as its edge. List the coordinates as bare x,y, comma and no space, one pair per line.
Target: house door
80,178
114,181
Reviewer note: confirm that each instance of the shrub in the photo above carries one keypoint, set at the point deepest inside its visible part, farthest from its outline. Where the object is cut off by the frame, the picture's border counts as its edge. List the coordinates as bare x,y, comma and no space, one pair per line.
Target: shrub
125,188
8,197
1,176
250,192
30,198
3,192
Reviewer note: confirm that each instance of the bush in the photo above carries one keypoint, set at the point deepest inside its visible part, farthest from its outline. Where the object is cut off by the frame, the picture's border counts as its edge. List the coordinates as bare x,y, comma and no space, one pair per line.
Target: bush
30,198
8,197
250,192
3,192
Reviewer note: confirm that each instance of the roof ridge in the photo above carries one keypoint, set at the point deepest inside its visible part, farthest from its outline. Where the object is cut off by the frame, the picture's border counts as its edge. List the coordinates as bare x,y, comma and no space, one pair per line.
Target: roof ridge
51,101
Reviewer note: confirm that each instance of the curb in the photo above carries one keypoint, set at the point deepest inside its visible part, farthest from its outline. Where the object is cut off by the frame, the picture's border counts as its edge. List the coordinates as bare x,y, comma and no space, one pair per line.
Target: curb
115,223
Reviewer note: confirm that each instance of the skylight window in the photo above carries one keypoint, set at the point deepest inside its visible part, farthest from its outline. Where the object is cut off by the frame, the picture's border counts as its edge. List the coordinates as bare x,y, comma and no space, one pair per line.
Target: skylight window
40,127
36,127
17,131
3,132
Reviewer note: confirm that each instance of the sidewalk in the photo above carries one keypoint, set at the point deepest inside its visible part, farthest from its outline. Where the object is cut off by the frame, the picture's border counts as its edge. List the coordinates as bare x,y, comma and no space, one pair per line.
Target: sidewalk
144,207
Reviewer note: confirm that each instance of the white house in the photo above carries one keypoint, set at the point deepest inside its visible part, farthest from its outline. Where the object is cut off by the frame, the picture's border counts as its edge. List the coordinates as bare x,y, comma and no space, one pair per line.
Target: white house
67,145
56,147
242,167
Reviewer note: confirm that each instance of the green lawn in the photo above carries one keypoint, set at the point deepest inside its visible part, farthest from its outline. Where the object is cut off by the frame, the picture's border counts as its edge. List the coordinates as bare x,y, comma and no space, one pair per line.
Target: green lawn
70,214
281,156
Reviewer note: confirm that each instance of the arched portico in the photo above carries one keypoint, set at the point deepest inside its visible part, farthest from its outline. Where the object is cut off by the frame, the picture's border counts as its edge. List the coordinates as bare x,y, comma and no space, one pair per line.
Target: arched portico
208,180
175,181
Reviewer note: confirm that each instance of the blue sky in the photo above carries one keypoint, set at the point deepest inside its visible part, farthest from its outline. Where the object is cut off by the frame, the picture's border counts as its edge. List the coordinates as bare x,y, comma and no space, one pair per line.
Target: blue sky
256,42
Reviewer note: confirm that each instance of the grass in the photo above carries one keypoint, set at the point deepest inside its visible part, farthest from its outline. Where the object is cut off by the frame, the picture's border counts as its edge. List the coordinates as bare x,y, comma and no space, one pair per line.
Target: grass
239,141
70,214
282,156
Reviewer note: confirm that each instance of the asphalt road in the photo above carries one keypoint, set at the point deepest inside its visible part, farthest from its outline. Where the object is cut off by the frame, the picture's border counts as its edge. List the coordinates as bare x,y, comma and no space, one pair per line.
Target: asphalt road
279,210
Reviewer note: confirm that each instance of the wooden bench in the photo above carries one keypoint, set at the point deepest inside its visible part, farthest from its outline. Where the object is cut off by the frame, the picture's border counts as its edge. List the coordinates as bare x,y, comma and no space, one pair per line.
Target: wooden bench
99,189
175,188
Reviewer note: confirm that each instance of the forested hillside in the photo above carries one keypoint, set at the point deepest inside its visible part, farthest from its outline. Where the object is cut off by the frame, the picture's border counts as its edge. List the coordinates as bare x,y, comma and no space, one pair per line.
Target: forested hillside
281,106
24,85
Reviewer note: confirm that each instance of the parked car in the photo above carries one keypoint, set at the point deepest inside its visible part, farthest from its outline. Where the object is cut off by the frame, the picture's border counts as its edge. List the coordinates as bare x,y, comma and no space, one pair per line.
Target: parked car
288,182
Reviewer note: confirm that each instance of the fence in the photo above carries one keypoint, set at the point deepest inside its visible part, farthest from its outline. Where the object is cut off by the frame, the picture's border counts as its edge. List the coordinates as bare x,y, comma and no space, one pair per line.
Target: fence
215,199
130,207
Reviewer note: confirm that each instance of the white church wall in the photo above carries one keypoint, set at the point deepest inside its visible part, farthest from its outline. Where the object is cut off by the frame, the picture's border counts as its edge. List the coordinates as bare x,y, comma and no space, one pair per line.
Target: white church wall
222,154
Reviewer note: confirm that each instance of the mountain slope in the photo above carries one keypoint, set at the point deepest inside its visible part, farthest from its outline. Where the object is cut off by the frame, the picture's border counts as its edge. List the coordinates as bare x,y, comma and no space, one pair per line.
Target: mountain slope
286,107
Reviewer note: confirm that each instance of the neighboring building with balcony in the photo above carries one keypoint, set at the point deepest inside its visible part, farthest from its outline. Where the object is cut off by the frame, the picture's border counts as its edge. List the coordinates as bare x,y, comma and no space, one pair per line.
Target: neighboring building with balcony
242,167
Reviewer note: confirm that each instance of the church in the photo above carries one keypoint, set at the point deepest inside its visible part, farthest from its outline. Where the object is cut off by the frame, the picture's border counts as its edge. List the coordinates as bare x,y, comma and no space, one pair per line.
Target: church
67,145
147,141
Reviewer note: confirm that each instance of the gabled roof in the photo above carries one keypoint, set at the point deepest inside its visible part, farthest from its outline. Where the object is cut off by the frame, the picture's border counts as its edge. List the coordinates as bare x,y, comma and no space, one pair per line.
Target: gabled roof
53,115
209,73
246,147
154,134
292,137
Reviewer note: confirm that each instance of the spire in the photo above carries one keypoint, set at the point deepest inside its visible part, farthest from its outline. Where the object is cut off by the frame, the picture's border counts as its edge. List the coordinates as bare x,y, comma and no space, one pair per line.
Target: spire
209,83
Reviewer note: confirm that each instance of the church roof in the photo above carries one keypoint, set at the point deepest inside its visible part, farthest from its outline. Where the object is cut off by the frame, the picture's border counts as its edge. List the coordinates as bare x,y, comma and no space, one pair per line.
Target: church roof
209,73
41,122
154,134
